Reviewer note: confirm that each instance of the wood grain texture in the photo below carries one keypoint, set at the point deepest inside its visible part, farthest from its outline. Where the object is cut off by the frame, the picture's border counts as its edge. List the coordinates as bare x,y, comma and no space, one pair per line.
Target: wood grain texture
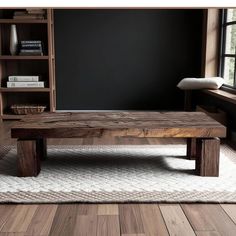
188,100
129,124
9,90
5,213
87,209
207,160
196,213
211,46
108,209
14,234
108,226
207,233
130,219
133,235
152,220
28,159
209,217
19,219
1,98
41,222
50,60
64,220
221,94
230,209
191,148
176,221
85,225
120,124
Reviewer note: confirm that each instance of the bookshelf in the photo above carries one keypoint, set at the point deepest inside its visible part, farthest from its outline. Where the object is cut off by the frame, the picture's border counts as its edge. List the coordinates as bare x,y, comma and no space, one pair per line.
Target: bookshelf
44,66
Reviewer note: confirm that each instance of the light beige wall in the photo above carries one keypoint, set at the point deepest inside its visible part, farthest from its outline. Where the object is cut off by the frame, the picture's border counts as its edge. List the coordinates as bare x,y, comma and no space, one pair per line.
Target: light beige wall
211,42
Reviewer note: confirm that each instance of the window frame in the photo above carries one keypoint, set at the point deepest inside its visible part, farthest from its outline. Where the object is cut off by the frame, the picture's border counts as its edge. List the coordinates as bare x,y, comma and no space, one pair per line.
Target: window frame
224,55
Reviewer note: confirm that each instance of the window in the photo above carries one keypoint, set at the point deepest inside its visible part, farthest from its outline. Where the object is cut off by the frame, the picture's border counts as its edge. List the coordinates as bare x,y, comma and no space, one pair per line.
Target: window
228,48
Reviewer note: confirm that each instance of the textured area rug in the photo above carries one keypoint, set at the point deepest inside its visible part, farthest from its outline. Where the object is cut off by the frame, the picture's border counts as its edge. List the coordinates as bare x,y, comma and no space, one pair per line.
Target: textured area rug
130,173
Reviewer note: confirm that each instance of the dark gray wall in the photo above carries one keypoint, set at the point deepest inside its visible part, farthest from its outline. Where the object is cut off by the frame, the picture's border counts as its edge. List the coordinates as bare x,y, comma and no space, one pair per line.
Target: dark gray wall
125,59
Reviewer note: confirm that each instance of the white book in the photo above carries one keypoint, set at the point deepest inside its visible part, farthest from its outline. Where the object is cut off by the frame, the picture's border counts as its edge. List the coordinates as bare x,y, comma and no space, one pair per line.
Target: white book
20,78
30,41
25,84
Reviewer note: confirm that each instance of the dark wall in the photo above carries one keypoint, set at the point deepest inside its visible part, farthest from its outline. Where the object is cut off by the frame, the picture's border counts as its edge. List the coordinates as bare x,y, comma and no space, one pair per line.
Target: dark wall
125,59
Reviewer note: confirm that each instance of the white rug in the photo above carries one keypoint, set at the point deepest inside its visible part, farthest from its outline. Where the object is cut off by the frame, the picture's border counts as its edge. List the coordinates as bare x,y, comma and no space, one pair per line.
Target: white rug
147,173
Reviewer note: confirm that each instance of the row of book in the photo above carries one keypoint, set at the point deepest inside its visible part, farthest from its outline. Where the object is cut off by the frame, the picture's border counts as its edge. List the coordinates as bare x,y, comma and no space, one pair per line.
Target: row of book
30,13
31,47
17,81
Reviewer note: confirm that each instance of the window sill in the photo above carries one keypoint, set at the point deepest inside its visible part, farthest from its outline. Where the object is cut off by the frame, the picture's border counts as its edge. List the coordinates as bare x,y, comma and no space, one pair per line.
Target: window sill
223,95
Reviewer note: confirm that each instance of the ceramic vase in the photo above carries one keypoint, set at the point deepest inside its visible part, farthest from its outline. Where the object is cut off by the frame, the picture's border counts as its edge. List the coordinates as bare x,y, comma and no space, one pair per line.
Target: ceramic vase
13,40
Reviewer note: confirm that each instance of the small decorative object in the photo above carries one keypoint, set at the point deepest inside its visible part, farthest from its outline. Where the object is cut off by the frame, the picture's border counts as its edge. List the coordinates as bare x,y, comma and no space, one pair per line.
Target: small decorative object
13,40
27,109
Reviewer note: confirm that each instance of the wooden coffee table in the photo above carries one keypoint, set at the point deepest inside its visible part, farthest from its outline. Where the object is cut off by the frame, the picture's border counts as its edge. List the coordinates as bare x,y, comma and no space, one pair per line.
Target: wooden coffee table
33,131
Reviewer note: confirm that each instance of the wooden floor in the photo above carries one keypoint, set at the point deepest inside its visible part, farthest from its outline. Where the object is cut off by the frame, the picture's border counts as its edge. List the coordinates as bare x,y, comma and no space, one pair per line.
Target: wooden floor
114,219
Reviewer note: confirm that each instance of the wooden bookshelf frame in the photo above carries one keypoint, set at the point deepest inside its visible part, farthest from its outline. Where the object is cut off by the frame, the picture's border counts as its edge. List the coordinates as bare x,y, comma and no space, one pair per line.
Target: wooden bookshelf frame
46,61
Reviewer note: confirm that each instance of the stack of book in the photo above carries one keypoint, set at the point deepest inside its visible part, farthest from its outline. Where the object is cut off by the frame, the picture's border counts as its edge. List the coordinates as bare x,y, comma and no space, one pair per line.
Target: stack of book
31,48
27,81
30,13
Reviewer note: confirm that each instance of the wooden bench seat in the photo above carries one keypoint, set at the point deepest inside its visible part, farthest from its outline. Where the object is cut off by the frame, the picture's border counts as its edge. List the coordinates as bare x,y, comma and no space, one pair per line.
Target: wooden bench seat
33,131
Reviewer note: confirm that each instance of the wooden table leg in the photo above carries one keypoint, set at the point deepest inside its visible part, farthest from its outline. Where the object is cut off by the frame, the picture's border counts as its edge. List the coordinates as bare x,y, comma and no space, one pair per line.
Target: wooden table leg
208,153
28,160
41,149
191,148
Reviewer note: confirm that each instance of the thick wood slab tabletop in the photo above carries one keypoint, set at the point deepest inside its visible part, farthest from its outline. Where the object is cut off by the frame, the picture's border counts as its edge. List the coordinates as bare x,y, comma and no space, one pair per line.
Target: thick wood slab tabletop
131,124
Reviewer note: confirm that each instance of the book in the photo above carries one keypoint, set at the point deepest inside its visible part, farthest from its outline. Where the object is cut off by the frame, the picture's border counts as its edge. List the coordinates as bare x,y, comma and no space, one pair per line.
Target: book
20,13
31,45
30,13
25,78
30,41
31,50
34,46
35,11
25,84
31,17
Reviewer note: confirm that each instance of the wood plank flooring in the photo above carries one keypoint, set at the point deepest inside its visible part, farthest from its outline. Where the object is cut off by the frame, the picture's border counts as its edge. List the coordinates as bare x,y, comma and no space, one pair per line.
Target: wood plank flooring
114,219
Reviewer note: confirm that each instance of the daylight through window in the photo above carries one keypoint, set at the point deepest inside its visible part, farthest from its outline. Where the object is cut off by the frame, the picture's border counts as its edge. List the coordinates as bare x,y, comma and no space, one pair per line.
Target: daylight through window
228,54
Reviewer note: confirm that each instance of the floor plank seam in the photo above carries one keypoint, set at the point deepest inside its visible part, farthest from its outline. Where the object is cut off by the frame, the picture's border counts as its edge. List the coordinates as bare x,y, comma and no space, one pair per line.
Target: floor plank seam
119,220
187,219
158,205
227,214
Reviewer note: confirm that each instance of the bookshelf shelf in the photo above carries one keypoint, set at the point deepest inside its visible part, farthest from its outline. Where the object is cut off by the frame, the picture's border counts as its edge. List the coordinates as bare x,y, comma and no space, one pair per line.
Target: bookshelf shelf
8,57
11,117
28,21
9,90
43,66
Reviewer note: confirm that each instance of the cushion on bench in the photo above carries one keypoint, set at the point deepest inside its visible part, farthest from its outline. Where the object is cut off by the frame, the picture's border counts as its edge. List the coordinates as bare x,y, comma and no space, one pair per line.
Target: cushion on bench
201,83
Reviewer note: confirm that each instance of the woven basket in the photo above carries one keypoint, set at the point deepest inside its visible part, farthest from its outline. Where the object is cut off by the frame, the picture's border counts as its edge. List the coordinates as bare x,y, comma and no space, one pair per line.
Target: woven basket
27,109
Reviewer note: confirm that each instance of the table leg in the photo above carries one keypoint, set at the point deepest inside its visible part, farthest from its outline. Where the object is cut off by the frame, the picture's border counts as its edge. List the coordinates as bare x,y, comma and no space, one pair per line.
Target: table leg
41,149
28,160
191,148
208,153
